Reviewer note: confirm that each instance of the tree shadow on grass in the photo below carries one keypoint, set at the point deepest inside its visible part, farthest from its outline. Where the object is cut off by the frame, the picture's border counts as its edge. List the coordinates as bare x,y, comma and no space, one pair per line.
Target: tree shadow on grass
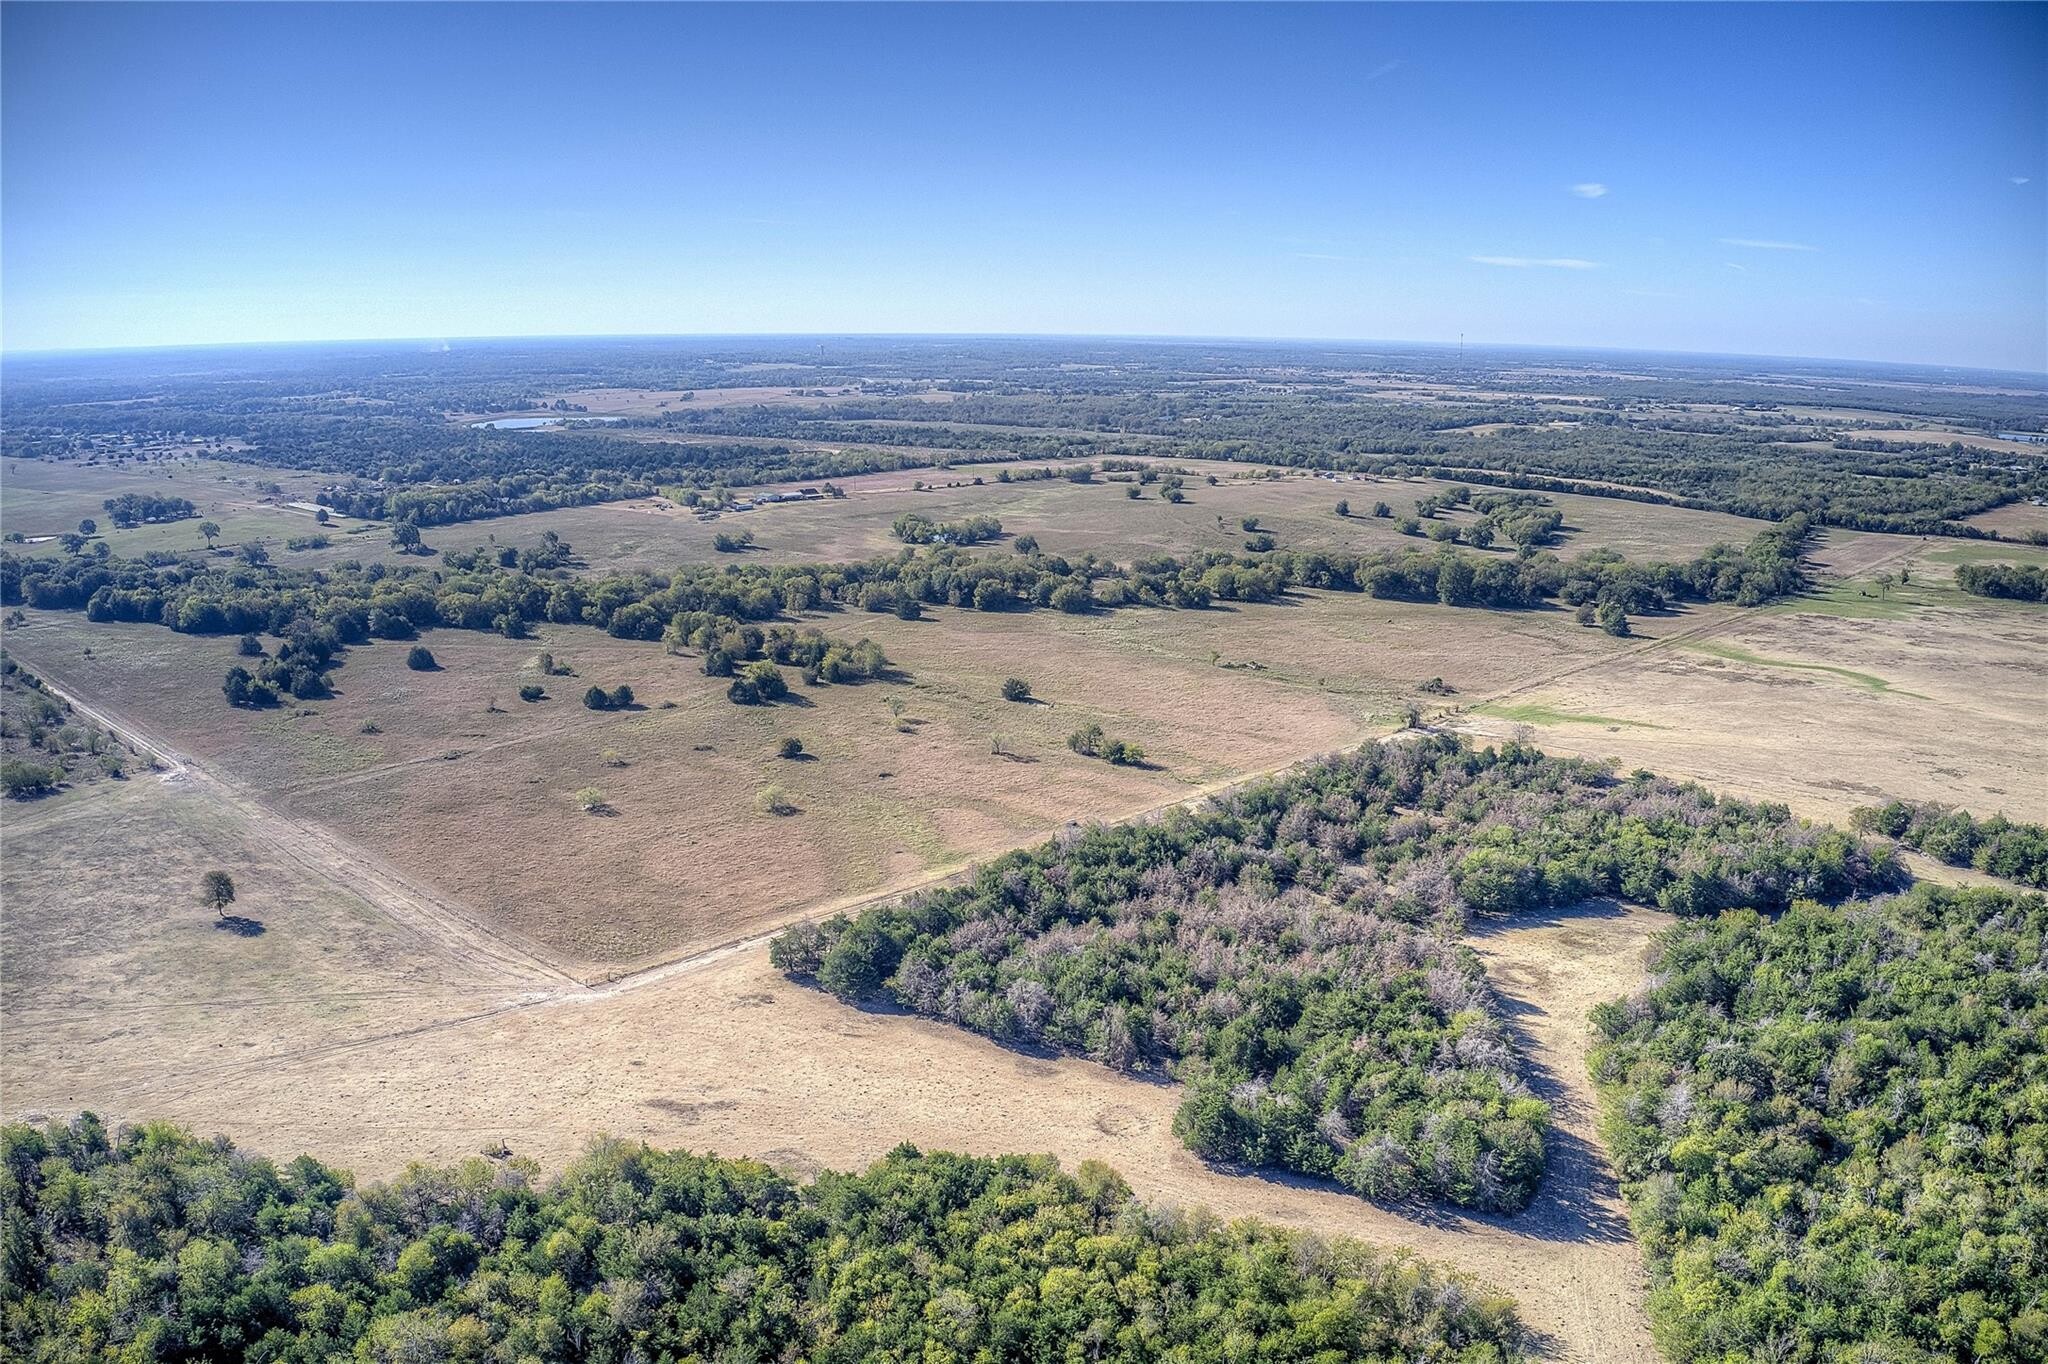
240,926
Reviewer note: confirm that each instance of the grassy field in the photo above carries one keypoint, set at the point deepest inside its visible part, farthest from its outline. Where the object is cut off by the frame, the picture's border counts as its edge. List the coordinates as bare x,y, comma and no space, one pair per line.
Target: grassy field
40,498
466,786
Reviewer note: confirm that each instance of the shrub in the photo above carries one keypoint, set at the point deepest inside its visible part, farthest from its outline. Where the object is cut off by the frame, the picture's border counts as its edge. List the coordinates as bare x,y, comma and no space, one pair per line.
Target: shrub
773,800
591,801
420,659
597,698
758,684
533,691
1016,689
790,748
21,779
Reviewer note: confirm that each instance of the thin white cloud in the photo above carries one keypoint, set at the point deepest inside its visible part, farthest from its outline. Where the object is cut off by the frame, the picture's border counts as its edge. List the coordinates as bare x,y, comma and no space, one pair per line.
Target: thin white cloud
1733,266
1545,262
1383,69
2021,179
1591,189
1763,244
1320,255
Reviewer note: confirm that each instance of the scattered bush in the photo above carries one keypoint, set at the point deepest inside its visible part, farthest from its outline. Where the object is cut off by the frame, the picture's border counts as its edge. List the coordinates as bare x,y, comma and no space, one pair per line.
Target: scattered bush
1016,689
420,659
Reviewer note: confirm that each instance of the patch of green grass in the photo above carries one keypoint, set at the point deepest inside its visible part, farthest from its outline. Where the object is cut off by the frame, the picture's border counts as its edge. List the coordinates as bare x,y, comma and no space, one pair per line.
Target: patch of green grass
1868,681
321,754
1535,713
1987,552
1863,600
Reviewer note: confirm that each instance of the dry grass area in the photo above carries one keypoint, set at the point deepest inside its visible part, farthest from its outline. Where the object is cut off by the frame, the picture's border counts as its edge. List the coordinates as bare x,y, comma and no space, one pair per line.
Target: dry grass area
2015,519
1073,519
333,1032
1936,435
1847,698
474,793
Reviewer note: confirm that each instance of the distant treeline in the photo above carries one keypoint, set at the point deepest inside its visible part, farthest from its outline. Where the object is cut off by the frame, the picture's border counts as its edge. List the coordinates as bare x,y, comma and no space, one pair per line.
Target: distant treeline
152,1244
1290,951
2019,582
2002,847
1599,451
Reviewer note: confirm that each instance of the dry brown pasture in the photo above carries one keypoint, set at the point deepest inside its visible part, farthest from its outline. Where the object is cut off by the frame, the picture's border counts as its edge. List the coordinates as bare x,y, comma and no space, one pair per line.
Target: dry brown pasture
2015,519
1845,698
1073,518
901,778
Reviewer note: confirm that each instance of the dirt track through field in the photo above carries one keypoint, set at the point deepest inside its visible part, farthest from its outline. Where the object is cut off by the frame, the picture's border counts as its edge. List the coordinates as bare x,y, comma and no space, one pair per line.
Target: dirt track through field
556,1060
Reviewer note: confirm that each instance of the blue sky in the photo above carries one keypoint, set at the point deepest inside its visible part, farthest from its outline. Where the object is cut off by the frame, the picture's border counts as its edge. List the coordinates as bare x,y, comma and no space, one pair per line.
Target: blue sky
1851,181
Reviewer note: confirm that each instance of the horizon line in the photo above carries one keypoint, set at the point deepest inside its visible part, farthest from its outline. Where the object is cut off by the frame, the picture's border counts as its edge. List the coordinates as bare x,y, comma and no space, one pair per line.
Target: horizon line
7,353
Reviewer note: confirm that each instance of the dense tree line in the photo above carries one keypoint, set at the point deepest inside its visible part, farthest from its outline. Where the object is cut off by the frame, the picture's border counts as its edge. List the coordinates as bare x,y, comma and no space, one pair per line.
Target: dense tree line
2019,582
1833,1131
149,1244
1290,952
507,590
2002,847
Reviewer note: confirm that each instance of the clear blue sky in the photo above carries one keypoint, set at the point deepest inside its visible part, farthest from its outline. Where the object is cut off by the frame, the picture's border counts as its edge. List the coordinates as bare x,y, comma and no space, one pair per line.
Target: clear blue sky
1832,180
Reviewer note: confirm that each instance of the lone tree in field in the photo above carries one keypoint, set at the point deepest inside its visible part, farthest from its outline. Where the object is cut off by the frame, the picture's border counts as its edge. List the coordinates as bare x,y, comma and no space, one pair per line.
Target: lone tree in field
217,888
211,530
420,659
1343,507
791,748
1016,689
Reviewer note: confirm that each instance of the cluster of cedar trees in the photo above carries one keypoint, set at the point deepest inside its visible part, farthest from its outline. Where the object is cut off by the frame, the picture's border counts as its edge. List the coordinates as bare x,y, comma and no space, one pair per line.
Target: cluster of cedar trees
1291,952
151,1244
